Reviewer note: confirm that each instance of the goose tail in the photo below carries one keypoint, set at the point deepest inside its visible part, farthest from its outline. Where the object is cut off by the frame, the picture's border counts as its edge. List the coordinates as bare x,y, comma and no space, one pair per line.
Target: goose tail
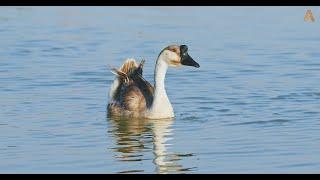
123,75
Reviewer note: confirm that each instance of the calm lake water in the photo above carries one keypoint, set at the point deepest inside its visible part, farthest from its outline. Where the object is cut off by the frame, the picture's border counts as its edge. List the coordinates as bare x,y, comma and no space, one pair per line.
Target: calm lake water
252,107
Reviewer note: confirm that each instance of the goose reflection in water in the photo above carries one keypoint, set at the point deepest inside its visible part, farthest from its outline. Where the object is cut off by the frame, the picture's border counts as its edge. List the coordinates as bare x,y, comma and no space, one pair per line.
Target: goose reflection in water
134,137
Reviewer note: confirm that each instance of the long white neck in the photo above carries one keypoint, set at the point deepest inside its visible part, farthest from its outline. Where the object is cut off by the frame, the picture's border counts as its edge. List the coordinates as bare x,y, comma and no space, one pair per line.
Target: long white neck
161,106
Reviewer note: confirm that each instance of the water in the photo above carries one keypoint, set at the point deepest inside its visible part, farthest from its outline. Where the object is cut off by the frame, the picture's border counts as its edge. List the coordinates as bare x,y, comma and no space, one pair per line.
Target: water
252,107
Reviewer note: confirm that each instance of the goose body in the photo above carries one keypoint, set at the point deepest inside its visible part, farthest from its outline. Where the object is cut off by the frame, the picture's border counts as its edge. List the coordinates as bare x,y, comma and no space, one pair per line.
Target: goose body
131,95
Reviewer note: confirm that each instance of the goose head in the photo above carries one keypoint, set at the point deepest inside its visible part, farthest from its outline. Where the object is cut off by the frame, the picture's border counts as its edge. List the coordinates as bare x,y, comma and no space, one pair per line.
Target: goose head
177,55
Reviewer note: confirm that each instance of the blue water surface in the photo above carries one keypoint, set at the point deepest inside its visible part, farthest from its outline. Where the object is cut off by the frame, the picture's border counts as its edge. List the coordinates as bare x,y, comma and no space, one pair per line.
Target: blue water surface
252,107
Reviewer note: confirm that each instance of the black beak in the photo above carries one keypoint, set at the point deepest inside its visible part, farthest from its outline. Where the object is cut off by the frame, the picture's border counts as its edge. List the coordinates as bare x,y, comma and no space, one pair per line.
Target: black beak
188,61
185,58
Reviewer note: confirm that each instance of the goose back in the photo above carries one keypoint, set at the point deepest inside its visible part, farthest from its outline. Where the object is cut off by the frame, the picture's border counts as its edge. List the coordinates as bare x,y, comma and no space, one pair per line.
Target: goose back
133,95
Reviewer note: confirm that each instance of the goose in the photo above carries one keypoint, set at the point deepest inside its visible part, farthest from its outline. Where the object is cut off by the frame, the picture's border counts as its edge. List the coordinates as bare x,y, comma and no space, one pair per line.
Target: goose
130,95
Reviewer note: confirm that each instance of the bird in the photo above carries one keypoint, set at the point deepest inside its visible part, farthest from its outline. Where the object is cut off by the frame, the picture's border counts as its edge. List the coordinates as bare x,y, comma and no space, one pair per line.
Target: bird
130,95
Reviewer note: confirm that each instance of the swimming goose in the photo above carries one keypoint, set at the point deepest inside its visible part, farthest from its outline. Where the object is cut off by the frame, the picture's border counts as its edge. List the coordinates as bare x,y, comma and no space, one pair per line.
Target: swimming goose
131,95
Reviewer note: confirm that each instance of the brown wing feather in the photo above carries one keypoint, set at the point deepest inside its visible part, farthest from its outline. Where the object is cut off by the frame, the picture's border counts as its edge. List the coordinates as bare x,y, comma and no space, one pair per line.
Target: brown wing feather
135,94
133,99
146,89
